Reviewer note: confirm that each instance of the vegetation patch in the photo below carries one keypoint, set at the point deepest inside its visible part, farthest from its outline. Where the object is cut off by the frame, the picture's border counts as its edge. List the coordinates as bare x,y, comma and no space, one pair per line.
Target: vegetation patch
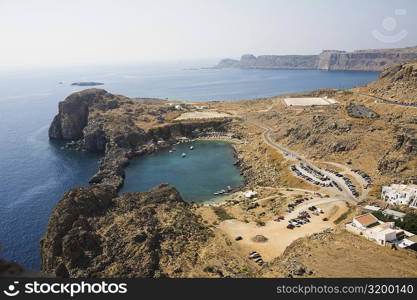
360,111
221,213
409,223
343,216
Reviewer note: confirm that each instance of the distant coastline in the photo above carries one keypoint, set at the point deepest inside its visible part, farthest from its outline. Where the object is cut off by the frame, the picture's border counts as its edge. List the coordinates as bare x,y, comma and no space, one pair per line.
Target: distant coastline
330,60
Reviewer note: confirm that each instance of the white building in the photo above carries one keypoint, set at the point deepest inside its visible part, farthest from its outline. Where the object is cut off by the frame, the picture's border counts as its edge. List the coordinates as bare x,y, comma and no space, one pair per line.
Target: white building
400,194
382,233
370,227
371,208
365,221
250,194
395,214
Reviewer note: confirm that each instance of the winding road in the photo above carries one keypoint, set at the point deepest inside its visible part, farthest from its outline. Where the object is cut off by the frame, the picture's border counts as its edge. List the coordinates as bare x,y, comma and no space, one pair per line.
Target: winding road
291,155
386,101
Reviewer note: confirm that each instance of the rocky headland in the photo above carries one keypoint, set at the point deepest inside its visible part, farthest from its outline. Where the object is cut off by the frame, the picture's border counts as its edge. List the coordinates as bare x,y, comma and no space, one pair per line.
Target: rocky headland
93,231
121,128
96,232
360,60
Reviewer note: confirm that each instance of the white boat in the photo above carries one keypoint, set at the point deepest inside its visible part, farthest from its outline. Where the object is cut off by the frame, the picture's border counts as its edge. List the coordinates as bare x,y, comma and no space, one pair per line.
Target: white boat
170,151
191,147
219,192
183,155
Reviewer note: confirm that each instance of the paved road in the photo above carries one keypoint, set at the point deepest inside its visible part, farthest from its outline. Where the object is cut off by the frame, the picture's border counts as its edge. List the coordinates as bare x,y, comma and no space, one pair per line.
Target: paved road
363,183
386,101
291,155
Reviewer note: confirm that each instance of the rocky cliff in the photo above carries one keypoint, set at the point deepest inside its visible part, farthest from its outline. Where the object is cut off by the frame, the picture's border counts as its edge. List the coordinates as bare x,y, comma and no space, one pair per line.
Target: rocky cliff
121,128
361,60
94,233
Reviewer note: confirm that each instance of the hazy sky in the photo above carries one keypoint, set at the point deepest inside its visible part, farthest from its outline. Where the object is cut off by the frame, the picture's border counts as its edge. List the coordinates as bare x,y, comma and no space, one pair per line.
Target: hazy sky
59,32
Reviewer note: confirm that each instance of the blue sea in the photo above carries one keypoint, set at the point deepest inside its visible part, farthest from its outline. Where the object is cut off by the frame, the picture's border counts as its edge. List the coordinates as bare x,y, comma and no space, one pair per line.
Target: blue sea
205,169
34,172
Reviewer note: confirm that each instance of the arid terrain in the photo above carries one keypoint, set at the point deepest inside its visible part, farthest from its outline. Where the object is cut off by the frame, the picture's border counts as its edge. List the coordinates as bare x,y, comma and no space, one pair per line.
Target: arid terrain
272,142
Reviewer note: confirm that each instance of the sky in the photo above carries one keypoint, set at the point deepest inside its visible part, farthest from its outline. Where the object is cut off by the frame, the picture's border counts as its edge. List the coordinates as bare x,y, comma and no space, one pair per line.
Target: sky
68,32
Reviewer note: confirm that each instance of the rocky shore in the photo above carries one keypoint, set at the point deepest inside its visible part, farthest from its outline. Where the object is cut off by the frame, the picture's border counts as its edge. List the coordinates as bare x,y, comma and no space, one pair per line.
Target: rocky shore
92,231
85,122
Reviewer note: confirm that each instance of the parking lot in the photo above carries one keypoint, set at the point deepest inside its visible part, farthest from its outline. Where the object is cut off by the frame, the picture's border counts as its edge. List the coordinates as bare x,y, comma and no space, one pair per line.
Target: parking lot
311,175
277,233
347,181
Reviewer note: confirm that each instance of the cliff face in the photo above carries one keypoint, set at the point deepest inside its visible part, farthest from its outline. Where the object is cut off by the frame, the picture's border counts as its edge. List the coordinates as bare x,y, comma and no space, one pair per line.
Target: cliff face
271,62
98,121
93,233
73,114
363,60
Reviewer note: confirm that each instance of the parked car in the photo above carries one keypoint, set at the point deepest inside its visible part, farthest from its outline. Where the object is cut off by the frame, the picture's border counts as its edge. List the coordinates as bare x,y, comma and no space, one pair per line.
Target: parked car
290,226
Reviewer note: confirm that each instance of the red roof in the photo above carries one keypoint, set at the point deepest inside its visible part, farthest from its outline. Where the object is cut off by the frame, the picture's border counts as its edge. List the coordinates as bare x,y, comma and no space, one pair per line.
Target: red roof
367,219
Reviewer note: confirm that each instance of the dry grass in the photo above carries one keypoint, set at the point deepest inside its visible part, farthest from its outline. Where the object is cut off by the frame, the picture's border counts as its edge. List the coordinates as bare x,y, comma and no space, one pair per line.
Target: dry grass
350,255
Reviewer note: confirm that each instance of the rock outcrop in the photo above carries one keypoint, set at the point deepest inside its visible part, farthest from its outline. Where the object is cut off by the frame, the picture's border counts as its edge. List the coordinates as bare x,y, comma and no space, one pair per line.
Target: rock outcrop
97,121
72,117
360,111
401,158
361,60
398,83
94,233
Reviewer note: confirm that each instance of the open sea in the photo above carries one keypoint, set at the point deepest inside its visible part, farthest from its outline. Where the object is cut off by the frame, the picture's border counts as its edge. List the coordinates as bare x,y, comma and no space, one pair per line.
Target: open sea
34,172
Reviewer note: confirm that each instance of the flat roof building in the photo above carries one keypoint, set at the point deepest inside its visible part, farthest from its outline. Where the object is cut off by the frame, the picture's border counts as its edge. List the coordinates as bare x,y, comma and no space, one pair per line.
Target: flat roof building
365,221
371,208
395,214
309,101
400,194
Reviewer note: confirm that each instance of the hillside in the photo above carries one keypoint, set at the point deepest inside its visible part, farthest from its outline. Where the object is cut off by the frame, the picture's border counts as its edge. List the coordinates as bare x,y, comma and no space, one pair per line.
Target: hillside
398,83
96,232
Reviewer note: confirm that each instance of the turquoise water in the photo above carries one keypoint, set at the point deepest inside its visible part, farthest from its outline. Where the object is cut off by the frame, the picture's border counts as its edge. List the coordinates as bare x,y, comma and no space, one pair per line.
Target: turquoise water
34,173
205,169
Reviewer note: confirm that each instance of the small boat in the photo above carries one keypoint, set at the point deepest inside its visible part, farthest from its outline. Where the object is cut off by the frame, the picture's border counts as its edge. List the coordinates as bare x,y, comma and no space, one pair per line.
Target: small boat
191,147
219,192
170,151
183,155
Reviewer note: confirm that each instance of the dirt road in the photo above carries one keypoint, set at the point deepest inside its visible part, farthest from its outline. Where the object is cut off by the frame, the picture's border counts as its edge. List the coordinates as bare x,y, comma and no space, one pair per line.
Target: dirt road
279,236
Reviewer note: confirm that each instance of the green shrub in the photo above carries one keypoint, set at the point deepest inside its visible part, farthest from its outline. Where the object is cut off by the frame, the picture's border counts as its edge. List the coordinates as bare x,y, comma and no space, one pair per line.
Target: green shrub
221,213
